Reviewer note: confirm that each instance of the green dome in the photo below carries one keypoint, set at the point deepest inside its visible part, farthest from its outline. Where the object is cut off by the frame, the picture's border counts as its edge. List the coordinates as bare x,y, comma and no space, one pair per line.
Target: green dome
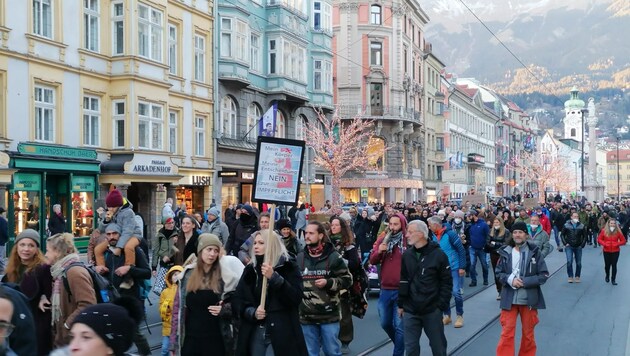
574,102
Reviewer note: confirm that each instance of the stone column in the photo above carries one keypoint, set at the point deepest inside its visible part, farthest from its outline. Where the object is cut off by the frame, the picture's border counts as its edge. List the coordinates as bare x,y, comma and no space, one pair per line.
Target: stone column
3,192
123,189
171,192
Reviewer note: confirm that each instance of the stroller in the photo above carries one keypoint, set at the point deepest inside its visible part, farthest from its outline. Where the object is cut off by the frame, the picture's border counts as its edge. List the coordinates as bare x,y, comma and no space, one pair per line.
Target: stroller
374,283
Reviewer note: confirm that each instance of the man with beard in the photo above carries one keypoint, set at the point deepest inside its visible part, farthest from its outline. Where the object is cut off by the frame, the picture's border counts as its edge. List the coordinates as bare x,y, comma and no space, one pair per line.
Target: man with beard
478,233
324,275
245,227
387,251
522,270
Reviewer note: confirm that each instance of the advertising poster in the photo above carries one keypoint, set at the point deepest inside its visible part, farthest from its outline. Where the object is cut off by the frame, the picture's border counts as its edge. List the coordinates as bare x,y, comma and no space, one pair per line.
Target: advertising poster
278,170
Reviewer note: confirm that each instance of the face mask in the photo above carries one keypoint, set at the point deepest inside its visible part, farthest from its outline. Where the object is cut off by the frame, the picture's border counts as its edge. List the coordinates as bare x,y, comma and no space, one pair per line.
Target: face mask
539,213
458,220
534,227
497,227
612,228
575,221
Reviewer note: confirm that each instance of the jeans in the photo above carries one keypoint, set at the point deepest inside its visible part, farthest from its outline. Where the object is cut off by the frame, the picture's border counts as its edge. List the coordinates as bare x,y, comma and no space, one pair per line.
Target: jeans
529,319
494,259
346,328
166,341
3,258
260,343
322,336
141,343
481,255
556,235
458,283
610,262
433,327
570,252
390,321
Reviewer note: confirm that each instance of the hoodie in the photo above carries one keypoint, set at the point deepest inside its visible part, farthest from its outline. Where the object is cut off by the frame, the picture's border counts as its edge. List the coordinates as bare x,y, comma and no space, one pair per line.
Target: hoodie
390,261
167,299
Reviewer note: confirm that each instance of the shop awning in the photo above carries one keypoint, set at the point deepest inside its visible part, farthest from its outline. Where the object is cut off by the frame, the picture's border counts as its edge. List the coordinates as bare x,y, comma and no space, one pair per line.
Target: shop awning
57,165
380,183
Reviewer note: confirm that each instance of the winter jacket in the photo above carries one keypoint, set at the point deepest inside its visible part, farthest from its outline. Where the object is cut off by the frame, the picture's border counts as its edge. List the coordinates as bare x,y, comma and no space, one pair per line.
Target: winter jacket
478,232
321,305
163,245
452,246
545,223
126,219
231,271
218,228
533,271
4,231
573,235
559,219
83,295
426,282
243,230
541,239
611,242
167,212
56,224
495,241
282,321
300,222
365,232
138,273
23,341
167,299
390,262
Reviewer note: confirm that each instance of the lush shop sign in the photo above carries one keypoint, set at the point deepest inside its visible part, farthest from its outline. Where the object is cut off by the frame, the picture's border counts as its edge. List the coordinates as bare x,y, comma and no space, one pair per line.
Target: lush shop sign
83,184
38,149
27,181
150,165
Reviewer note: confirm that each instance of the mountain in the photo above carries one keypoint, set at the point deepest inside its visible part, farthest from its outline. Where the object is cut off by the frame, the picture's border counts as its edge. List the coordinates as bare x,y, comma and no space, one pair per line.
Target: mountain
564,42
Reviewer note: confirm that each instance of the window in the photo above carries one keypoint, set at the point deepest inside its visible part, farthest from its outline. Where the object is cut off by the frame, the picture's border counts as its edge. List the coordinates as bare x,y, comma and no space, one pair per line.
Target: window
293,60
200,136
322,76
375,15
172,131
150,126
280,125
376,154
439,144
172,49
228,117
300,127
150,32
322,16
254,55
439,172
200,58
119,123
226,37
91,23
376,99
573,132
376,53
118,28
254,113
42,18
241,46
272,57
44,114
91,120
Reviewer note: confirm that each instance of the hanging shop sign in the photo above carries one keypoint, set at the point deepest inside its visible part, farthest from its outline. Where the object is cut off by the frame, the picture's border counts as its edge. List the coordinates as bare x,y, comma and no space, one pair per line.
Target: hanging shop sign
27,181
150,165
201,180
223,174
82,184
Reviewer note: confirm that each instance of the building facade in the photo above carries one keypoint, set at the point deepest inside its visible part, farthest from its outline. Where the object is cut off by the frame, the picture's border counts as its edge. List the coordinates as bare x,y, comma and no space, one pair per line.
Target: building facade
436,127
618,173
123,100
379,74
269,52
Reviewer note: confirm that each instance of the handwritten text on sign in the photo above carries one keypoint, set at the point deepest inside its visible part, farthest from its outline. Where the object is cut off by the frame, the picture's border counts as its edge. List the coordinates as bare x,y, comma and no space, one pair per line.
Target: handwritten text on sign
278,172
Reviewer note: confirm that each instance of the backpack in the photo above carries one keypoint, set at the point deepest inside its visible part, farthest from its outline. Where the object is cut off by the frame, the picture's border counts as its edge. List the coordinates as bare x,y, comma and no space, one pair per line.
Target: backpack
104,291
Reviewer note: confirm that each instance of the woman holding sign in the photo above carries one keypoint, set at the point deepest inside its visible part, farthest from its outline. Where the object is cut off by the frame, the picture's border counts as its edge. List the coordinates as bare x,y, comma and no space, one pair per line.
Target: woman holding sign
276,323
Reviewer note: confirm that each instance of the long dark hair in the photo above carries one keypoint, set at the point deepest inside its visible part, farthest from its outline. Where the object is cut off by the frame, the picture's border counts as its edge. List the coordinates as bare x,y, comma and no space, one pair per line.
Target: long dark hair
347,237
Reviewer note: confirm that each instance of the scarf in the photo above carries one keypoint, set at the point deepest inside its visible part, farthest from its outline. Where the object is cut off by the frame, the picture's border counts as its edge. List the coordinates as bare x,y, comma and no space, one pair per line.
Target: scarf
57,270
316,250
395,240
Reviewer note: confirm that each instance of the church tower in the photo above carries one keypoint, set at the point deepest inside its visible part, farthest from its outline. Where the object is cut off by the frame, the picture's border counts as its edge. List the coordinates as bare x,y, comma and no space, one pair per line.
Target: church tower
573,117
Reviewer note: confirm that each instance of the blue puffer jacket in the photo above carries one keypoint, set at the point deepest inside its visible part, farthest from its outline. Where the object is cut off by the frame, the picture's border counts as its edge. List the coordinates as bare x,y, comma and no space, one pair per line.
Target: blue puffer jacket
452,246
478,232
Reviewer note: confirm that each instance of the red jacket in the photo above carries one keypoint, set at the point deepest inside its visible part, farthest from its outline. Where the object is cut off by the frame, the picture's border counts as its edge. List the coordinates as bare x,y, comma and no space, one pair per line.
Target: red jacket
611,243
390,262
545,223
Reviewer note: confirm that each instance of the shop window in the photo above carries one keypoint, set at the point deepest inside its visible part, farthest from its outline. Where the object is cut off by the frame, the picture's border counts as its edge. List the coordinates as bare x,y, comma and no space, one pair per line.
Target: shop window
82,218
26,201
376,153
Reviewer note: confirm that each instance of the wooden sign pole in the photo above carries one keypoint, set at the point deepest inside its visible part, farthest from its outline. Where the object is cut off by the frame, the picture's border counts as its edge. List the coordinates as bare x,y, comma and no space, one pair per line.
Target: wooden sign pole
268,247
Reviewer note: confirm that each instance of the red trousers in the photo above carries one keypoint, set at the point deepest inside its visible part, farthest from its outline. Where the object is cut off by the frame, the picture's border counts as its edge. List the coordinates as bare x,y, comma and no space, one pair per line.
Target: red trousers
529,319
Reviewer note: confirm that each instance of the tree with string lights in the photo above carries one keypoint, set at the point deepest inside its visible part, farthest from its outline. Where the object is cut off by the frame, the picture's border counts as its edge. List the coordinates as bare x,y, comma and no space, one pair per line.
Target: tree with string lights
341,146
545,172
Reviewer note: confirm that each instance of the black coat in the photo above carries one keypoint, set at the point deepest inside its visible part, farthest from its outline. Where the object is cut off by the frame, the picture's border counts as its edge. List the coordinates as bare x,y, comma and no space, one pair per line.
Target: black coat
23,340
365,231
56,224
284,295
574,235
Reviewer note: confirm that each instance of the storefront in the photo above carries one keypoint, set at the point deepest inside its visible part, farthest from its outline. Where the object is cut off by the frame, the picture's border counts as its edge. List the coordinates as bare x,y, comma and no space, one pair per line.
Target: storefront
313,192
236,186
46,175
380,189
195,190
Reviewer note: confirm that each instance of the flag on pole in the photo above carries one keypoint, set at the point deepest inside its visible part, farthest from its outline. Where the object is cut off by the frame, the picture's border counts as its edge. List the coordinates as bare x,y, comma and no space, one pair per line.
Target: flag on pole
267,124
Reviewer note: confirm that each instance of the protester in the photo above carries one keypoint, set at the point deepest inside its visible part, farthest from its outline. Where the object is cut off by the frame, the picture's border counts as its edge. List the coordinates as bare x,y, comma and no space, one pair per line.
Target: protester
574,238
28,269
324,275
539,236
244,253
214,225
274,327
163,245
245,227
67,302
301,220
460,226
289,238
167,210
202,312
6,327
187,240
387,251
522,270
365,228
611,238
425,289
497,238
56,221
478,232
167,300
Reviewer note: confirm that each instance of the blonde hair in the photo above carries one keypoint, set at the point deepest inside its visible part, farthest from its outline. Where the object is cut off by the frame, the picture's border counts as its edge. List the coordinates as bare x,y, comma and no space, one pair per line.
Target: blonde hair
200,280
274,248
62,243
607,230
501,232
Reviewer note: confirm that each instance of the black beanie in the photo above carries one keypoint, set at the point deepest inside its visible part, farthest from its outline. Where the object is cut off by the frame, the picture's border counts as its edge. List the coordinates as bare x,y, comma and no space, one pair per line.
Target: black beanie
519,225
115,323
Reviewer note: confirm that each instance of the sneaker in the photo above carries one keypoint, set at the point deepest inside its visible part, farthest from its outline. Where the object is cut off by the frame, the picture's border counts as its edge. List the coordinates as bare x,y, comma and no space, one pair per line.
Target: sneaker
607,279
473,284
577,279
570,279
345,349
485,283
127,284
459,322
446,319
614,283
499,296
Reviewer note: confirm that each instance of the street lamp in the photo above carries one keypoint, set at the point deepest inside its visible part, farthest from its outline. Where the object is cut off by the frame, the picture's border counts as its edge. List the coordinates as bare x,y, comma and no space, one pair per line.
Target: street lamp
576,179
618,175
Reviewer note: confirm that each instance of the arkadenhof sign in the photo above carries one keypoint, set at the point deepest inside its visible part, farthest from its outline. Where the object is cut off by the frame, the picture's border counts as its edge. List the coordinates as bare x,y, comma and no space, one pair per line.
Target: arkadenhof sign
150,165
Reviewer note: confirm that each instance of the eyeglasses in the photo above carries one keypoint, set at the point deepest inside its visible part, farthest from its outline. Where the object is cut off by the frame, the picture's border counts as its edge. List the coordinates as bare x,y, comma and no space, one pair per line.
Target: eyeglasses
6,329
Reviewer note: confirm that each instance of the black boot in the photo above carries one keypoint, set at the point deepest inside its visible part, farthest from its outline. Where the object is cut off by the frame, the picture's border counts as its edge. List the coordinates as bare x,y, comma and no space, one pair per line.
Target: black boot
607,279
614,283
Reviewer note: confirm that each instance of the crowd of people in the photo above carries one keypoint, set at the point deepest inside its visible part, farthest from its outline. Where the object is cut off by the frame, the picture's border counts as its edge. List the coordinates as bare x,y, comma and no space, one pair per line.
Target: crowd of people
249,281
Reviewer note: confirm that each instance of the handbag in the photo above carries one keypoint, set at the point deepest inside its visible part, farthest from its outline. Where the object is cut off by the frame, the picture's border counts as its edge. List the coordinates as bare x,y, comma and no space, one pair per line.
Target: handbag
160,280
358,300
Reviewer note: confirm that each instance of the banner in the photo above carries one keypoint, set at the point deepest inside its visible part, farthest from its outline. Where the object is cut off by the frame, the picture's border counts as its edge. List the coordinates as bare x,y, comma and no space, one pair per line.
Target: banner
267,124
278,170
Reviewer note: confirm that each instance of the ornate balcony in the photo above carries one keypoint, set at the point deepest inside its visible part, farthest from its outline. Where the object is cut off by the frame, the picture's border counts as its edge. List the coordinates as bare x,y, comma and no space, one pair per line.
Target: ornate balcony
394,113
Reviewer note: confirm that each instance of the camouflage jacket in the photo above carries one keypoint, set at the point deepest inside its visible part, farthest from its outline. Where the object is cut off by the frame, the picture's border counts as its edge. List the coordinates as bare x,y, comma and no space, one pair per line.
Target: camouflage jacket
321,306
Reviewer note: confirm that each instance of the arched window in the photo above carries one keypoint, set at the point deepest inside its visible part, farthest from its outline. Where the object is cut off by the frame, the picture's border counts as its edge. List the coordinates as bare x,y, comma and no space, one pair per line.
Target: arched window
573,132
376,154
375,15
228,117
254,113
300,127
280,125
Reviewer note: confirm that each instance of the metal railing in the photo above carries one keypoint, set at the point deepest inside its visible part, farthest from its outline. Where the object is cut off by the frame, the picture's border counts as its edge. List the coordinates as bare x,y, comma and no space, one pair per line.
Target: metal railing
380,112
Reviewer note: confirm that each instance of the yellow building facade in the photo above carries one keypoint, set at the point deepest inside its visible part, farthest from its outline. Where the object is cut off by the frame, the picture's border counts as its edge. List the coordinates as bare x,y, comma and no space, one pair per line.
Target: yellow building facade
99,94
